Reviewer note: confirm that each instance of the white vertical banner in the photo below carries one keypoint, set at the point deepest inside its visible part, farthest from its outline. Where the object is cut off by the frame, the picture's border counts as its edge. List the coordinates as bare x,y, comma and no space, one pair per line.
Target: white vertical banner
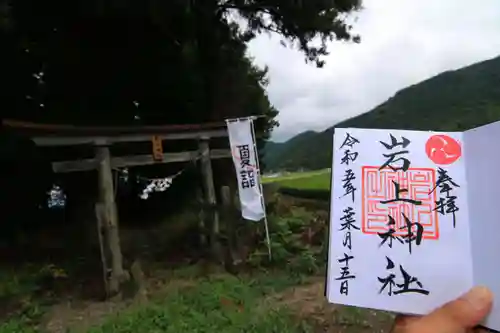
246,163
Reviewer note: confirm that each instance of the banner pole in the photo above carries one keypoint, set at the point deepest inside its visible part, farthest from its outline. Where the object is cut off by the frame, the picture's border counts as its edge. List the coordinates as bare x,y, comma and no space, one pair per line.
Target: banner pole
266,224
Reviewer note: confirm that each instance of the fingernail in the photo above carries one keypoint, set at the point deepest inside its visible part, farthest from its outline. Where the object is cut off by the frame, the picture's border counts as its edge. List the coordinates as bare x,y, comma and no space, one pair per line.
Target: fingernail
479,298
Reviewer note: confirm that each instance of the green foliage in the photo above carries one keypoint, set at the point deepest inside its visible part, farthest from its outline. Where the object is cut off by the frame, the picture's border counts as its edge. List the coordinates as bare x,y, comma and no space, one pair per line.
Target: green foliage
18,326
182,61
25,319
307,185
300,22
219,304
311,181
13,284
451,101
288,155
95,62
18,290
290,176
312,194
189,302
289,248
26,281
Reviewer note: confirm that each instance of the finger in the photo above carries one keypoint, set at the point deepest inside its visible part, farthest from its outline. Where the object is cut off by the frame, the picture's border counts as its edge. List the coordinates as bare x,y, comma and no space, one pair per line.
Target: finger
402,322
459,315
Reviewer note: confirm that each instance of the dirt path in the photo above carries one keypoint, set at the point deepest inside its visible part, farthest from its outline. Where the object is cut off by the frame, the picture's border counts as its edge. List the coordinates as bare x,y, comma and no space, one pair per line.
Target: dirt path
309,303
79,316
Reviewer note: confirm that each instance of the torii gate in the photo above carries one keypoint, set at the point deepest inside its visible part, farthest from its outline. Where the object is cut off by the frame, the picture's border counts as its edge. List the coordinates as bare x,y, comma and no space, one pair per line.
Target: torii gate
101,138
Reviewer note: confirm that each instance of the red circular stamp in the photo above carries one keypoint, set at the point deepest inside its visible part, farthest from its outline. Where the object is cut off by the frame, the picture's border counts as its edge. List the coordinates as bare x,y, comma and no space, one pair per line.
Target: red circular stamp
443,149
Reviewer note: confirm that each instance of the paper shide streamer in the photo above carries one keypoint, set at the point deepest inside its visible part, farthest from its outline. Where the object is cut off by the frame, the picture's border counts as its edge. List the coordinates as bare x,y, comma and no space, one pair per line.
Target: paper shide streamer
156,185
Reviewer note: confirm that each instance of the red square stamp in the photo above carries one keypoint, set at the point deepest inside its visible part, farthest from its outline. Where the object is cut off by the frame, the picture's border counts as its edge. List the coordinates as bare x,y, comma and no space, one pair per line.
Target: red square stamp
415,184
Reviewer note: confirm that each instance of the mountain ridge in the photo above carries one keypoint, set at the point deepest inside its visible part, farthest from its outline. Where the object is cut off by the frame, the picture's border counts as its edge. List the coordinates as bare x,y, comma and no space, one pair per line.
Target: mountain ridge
454,100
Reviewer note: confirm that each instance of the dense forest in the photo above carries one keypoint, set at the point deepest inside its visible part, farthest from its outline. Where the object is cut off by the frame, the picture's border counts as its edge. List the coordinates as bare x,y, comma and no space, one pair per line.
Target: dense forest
451,101
127,63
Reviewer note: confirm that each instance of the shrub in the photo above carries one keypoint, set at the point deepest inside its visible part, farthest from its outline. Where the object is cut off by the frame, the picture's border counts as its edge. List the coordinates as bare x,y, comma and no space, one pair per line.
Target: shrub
306,193
290,245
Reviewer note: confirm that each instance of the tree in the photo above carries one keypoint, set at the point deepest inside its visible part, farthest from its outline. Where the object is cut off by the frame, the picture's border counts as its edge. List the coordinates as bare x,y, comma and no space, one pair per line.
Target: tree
138,51
299,22
117,62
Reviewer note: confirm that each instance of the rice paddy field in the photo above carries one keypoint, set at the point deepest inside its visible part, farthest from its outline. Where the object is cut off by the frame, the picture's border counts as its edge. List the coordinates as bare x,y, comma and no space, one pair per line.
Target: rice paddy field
313,180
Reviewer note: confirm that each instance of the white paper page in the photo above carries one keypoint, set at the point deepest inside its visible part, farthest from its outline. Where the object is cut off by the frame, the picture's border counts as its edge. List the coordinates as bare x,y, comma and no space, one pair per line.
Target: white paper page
441,263
482,165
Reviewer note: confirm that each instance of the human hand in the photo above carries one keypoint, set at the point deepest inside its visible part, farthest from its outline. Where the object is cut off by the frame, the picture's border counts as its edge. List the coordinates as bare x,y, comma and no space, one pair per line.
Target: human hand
458,316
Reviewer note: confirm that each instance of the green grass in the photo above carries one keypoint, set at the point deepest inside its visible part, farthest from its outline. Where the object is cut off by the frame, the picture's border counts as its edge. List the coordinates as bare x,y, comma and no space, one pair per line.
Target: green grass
17,325
319,181
15,282
21,312
292,176
222,304
226,303
187,300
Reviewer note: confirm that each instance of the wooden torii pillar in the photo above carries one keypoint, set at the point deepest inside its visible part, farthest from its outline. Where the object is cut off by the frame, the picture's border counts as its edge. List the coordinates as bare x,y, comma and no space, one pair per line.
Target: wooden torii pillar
210,197
106,209
107,222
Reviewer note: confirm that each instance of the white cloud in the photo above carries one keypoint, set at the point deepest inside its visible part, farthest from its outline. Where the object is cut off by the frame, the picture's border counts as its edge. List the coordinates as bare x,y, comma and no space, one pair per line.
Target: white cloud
403,42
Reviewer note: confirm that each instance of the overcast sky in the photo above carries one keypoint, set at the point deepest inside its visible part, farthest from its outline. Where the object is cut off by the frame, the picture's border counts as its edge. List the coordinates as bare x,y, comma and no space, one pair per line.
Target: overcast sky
403,42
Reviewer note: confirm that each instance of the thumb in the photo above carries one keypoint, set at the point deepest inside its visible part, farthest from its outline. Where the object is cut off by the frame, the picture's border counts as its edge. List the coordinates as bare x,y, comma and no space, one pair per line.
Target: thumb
459,315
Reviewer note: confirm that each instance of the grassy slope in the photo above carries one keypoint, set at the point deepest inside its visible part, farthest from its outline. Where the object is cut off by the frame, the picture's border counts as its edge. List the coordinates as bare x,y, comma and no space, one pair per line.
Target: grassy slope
190,303
222,303
274,301
289,298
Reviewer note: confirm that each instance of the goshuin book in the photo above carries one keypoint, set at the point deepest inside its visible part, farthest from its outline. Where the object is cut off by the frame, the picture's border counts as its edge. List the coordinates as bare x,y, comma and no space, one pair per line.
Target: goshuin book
414,218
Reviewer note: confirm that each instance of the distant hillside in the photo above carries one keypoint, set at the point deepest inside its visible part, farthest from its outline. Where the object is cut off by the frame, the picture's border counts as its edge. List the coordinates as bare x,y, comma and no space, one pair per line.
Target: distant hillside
451,101
289,155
